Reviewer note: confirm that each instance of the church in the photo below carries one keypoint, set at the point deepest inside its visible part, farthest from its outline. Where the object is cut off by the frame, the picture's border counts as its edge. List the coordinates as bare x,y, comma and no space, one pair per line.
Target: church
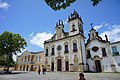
67,51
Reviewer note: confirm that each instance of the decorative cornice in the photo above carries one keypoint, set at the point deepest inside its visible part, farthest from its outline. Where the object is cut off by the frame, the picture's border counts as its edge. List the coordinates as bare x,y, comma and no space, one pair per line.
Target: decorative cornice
63,38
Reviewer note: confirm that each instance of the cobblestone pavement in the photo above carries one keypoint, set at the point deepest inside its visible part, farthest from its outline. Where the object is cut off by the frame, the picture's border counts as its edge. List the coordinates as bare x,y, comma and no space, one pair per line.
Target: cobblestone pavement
58,76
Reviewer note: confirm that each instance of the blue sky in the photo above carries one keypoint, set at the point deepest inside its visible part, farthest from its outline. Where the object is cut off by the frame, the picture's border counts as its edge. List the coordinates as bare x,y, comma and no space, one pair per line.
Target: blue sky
35,21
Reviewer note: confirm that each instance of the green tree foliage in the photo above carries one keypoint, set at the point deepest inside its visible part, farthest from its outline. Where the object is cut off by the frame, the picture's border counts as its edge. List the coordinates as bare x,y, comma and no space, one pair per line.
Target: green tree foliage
63,4
10,44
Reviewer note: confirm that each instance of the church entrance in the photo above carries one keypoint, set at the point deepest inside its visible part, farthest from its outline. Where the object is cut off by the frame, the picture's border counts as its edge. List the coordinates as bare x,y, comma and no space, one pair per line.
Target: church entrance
59,65
67,65
52,66
98,66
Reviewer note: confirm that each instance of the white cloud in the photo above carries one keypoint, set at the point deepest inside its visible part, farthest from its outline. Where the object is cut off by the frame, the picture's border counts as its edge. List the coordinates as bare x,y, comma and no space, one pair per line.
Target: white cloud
39,38
113,33
4,5
100,26
31,34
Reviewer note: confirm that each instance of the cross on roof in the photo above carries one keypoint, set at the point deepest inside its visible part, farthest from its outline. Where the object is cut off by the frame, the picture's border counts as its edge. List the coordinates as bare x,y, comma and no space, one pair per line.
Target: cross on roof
91,25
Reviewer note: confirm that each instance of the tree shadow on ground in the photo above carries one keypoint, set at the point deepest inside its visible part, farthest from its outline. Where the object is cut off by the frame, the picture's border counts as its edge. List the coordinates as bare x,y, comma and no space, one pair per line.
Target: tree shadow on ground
12,72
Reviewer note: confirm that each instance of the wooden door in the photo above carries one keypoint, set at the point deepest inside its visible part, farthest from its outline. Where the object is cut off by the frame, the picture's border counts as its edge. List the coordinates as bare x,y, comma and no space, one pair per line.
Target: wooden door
59,65
52,66
67,65
98,66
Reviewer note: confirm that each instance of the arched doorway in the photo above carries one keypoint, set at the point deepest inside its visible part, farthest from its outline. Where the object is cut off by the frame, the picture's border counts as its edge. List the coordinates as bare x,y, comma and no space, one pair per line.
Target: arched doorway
67,65
31,67
27,68
98,66
24,68
21,68
59,65
52,66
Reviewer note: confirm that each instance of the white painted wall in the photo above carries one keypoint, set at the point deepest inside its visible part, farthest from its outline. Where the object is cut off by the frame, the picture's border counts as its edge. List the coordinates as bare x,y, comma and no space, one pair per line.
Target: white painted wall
106,65
105,61
91,64
116,59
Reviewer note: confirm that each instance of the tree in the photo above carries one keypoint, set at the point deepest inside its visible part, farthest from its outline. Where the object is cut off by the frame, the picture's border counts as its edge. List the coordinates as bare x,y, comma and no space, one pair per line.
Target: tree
63,4
10,44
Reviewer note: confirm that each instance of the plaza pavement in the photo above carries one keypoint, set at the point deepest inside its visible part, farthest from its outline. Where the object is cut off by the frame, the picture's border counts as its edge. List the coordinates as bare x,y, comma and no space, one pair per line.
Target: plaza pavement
58,76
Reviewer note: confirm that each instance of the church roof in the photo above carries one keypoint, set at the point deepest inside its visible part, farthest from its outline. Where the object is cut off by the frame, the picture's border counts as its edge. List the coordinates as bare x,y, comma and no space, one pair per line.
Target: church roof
73,16
97,37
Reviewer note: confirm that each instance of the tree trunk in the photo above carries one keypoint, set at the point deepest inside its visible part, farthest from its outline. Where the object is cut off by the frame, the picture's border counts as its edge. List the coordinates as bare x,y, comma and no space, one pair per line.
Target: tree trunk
7,69
8,62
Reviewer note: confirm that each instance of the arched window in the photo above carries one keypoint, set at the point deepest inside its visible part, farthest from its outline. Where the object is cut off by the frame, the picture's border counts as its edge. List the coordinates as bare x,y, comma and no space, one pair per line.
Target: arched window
104,52
53,51
73,28
46,52
75,47
66,48
88,54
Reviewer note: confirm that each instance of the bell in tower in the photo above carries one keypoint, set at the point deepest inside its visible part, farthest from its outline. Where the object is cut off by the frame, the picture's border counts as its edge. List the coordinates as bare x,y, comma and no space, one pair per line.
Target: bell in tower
75,24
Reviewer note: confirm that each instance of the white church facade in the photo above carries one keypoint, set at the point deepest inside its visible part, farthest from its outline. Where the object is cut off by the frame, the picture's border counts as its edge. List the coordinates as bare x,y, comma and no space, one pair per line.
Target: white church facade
67,51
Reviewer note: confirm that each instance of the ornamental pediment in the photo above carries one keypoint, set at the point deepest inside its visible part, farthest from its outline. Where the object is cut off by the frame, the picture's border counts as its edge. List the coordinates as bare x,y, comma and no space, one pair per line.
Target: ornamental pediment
59,56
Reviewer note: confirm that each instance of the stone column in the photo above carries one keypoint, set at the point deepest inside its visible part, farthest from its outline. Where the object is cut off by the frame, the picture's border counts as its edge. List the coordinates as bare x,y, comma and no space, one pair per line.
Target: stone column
55,64
71,60
81,65
71,67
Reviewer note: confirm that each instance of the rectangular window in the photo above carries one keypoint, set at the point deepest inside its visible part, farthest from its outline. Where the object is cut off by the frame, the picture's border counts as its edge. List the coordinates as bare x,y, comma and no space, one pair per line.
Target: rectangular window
114,50
66,48
104,52
46,52
118,64
32,58
39,58
88,54
74,47
25,58
52,51
28,58
36,58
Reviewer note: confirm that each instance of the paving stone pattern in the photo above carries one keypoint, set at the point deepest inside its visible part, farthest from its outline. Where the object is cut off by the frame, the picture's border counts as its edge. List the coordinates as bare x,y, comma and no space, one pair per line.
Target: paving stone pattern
58,76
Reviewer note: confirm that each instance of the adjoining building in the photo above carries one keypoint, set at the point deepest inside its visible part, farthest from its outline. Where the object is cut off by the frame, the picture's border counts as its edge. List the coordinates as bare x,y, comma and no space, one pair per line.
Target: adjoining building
99,57
28,61
115,50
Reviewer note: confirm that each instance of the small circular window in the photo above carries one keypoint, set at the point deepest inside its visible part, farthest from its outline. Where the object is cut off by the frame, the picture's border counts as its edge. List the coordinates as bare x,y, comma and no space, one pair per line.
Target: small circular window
59,47
95,48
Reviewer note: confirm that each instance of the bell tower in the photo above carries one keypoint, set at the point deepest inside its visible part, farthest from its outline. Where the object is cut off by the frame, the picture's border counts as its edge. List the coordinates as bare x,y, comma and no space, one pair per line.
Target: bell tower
75,24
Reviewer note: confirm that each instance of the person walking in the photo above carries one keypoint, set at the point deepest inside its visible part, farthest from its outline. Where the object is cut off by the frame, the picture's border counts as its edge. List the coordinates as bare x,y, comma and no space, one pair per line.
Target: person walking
43,70
39,70
81,75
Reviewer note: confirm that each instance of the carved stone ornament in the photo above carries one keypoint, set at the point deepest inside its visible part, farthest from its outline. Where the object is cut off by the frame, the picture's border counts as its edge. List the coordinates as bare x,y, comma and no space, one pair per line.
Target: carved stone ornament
95,48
